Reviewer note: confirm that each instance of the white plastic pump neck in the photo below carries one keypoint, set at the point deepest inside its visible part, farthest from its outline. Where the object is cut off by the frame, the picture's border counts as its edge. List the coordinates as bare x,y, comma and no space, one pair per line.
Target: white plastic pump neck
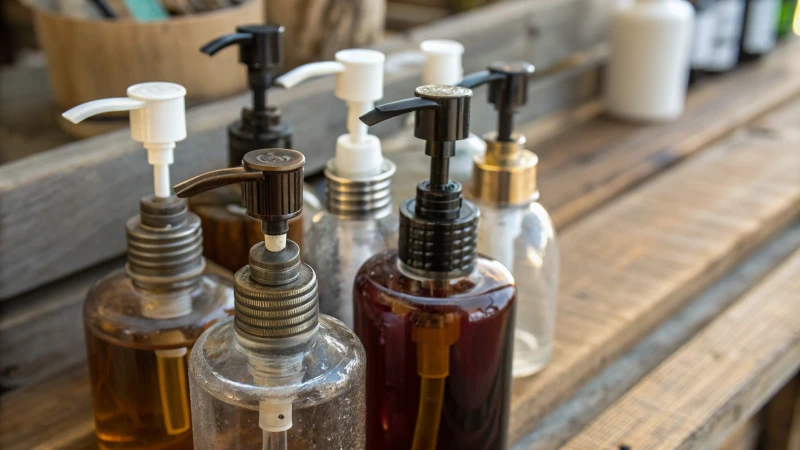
442,62
359,82
158,121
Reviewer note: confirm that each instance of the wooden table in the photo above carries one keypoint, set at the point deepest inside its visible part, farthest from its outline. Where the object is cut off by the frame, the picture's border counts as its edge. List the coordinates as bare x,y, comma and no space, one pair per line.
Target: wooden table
679,308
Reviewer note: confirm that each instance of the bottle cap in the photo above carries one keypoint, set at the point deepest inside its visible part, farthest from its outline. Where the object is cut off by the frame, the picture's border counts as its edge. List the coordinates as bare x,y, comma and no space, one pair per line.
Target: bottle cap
506,174
438,229
158,120
359,82
442,61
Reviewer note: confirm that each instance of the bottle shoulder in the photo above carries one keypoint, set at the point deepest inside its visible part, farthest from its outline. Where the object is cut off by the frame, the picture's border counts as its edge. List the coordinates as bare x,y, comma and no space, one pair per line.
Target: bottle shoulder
118,311
325,227
382,277
333,363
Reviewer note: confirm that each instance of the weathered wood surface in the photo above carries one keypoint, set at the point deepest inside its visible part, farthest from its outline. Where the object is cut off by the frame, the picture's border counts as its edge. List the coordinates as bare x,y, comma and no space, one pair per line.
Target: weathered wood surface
93,186
696,398
781,417
612,383
636,261
626,268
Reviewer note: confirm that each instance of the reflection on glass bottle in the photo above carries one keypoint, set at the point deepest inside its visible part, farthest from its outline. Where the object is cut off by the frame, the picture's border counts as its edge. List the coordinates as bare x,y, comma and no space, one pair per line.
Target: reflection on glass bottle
278,375
436,319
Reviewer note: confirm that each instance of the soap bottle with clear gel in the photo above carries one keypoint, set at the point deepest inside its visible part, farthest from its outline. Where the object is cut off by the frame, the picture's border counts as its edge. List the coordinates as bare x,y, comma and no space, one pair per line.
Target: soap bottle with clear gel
229,233
358,221
514,228
141,322
278,375
435,317
441,64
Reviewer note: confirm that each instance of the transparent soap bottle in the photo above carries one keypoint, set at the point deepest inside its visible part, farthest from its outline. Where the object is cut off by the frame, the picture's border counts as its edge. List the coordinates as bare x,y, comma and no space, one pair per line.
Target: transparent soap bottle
514,228
441,64
142,322
278,375
436,318
358,221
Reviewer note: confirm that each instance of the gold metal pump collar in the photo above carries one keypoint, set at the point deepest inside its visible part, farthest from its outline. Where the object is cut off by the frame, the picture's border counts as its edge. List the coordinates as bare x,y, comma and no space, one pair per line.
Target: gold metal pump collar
506,174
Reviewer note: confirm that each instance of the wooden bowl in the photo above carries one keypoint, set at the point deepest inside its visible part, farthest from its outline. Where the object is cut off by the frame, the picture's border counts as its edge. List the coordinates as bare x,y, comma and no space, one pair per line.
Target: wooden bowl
90,59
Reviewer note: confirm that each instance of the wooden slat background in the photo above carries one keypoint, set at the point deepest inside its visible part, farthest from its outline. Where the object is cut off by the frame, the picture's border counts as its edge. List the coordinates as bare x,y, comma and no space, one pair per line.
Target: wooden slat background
715,382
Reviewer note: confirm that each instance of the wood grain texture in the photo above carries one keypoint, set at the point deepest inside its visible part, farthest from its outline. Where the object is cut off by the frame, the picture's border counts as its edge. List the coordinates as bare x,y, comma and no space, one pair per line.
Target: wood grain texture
612,383
636,261
93,186
781,418
696,398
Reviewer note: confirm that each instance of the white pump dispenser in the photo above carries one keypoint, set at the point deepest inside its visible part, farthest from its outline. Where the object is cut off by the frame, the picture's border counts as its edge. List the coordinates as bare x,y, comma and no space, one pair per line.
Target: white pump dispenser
442,61
158,120
359,82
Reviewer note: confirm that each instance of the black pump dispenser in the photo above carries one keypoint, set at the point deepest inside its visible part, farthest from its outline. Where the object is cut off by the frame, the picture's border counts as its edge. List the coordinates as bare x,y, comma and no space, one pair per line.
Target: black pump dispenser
508,91
261,50
438,229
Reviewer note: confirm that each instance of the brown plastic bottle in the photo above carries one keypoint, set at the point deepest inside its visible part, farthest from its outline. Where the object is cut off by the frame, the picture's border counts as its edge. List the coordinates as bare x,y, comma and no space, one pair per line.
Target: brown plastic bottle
436,319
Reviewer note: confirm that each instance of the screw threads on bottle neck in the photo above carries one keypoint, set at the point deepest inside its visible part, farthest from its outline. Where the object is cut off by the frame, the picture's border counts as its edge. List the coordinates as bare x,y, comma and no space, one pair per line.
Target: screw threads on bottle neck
360,198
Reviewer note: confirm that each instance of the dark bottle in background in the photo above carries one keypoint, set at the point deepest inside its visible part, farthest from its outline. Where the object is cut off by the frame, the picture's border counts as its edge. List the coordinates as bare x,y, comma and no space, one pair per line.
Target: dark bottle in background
703,38
728,24
760,31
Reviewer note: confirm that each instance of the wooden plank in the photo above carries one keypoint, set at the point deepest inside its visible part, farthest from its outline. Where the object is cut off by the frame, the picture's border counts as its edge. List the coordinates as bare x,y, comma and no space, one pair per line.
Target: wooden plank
623,154
612,383
716,381
636,261
745,437
781,419
90,188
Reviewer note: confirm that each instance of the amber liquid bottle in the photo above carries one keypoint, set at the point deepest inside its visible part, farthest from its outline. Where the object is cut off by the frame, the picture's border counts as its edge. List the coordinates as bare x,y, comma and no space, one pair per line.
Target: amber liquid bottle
436,319
228,232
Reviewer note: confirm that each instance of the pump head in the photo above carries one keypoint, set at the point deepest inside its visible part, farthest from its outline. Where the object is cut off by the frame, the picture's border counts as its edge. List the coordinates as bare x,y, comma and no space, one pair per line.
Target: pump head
508,91
261,50
272,187
438,230
158,120
359,82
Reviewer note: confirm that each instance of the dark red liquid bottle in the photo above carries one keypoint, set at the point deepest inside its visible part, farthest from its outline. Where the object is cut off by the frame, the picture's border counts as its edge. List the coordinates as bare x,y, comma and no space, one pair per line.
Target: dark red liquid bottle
436,319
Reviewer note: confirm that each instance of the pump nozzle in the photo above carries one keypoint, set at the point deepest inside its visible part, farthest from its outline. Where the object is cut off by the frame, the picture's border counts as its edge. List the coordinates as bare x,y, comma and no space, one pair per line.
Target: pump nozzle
158,120
508,91
272,188
359,82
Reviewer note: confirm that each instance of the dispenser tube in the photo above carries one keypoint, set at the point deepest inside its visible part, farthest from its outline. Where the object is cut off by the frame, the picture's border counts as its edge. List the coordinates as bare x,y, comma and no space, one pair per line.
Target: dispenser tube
172,387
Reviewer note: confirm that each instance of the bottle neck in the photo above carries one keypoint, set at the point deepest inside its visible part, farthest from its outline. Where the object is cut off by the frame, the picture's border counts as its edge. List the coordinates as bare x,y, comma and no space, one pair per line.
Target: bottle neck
363,198
165,246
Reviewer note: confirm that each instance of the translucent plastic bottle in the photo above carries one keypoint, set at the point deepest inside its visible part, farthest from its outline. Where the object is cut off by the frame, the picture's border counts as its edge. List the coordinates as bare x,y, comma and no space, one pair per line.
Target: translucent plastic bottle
278,375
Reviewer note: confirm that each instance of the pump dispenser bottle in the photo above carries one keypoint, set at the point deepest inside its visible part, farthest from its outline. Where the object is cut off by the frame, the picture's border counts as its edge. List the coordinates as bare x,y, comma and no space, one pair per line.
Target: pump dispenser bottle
358,221
277,375
436,318
441,64
514,228
229,233
141,322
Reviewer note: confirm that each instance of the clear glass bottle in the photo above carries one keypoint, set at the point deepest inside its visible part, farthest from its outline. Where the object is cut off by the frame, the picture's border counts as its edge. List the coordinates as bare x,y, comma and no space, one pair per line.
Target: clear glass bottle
514,228
358,223
436,319
522,238
760,32
140,325
278,375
